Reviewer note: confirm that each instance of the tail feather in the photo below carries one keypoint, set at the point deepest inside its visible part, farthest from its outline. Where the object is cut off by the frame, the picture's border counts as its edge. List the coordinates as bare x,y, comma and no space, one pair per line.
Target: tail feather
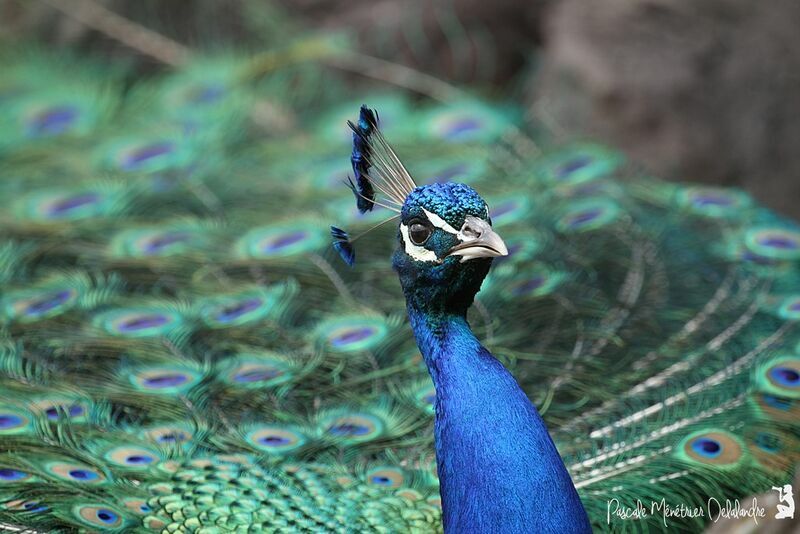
170,322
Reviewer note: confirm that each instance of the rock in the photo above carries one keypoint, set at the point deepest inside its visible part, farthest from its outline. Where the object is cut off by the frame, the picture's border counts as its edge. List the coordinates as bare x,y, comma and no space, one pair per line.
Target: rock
699,91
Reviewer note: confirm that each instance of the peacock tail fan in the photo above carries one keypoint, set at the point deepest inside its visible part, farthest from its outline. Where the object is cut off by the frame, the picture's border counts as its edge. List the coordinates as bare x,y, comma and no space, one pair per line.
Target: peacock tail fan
180,349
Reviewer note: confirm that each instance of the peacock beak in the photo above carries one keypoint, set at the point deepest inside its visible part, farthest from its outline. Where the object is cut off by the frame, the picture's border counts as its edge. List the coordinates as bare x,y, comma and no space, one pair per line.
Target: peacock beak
478,240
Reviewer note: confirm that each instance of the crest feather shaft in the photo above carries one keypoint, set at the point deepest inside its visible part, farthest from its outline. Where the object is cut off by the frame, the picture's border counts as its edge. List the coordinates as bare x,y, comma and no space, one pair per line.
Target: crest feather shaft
376,165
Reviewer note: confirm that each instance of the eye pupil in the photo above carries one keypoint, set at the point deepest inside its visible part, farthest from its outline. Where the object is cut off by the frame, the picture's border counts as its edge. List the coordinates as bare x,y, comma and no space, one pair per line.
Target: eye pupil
419,233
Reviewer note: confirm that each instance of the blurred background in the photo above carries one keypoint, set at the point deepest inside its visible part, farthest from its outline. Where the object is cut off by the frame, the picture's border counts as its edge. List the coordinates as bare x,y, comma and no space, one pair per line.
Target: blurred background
706,92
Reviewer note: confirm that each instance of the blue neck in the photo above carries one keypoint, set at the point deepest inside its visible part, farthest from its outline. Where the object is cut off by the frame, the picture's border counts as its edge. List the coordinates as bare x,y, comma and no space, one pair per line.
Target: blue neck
498,468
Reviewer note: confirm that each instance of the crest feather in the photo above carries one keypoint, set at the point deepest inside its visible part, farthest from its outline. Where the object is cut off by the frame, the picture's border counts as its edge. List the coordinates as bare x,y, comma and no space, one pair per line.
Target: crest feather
342,244
376,166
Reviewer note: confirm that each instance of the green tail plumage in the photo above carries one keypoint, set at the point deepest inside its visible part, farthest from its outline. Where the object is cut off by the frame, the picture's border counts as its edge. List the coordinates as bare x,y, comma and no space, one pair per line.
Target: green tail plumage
181,350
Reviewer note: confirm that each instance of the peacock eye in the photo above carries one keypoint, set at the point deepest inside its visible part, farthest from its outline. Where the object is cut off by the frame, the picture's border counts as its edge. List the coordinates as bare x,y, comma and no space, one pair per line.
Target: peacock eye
419,232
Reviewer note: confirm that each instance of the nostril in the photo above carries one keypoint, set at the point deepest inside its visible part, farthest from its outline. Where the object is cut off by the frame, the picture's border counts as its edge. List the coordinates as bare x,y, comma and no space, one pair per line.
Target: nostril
470,231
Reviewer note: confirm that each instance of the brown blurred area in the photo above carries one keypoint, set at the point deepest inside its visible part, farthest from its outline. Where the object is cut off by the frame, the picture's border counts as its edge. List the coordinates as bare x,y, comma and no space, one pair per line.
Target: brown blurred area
701,91
705,91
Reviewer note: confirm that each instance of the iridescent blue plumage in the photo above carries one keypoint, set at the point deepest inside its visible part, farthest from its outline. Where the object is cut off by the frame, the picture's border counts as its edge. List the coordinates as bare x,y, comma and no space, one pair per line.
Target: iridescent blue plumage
360,158
452,201
342,245
498,467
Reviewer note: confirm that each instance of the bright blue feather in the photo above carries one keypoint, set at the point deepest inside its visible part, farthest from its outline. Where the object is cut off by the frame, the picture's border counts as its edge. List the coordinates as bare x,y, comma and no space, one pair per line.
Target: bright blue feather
498,467
342,244
362,188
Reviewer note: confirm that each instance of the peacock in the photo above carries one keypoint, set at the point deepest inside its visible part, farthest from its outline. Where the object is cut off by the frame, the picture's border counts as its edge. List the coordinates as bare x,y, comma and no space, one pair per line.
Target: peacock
572,344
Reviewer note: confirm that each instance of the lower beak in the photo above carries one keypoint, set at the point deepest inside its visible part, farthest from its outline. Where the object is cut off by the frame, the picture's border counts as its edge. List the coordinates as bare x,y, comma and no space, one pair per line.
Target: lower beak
488,245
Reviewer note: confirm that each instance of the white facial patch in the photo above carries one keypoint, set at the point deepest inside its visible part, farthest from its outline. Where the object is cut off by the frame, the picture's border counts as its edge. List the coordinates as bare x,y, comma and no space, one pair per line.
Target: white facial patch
415,251
438,222
464,235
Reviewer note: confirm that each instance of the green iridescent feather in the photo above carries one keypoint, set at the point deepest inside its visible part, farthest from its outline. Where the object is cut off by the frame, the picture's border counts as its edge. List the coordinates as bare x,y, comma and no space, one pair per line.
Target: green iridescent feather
180,348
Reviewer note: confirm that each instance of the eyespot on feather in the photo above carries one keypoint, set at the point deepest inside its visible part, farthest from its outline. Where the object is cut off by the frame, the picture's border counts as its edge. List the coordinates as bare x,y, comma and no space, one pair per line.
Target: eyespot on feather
579,164
227,311
61,409
713,202
385,477
774,243
99,516
772,449
76,473
352,428
780,376
169,434
144,243
138,322
252,371
280,241
465,122
712,448
587,215
137,506
132,457
351,333
790,308
64,206
20,505
145,155
14,420
775,408
166,379
51,120
276,439
37,304
10,474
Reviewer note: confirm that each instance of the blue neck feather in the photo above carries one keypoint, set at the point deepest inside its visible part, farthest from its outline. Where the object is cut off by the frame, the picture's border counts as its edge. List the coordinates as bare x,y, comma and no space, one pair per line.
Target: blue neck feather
498,468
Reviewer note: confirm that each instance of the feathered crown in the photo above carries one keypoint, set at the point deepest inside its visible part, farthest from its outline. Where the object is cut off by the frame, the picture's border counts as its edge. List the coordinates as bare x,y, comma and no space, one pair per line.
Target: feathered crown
376,169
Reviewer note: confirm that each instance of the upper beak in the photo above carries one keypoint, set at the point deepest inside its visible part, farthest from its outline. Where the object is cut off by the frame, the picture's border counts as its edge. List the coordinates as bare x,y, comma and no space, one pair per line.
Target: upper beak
478,241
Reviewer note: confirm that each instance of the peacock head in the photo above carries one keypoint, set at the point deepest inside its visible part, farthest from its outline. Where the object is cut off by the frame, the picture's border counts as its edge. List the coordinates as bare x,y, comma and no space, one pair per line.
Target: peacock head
445,246
445,238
